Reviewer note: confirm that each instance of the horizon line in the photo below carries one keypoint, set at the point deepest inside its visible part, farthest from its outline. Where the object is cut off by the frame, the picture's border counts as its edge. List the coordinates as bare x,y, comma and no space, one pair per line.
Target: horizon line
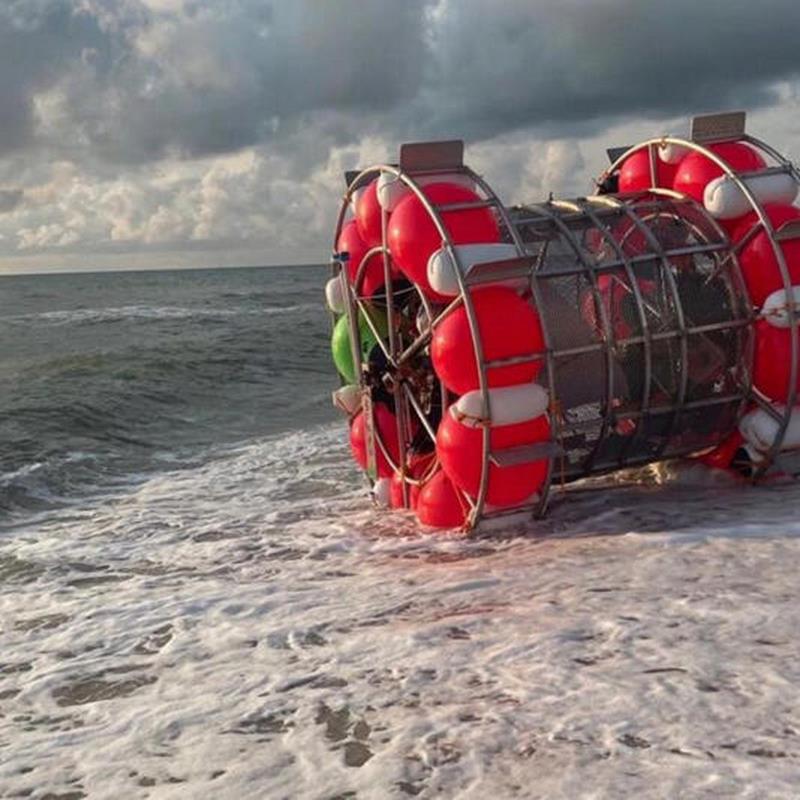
98,270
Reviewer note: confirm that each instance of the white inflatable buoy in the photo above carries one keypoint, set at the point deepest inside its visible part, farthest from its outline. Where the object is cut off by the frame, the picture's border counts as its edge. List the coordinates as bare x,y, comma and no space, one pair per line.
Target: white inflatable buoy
391,190
672,153
348,399
759,430
354,198
333,296
508,405
442,270
777,308
723,198
381,492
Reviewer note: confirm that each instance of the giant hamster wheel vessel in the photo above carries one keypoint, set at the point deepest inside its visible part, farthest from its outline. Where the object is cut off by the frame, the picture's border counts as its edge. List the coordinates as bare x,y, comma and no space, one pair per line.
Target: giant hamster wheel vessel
489,353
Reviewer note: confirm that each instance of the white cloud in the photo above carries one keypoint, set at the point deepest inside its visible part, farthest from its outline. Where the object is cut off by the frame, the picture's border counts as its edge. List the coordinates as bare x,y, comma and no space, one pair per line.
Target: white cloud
221,129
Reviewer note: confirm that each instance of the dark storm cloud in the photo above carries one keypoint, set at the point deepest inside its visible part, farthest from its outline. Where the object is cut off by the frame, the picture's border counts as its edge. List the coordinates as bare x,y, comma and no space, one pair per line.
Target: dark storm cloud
504,65
225,75
39,41
138,80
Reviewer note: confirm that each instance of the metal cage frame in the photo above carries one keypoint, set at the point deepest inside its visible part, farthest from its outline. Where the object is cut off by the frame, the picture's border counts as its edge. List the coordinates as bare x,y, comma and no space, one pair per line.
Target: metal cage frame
428,160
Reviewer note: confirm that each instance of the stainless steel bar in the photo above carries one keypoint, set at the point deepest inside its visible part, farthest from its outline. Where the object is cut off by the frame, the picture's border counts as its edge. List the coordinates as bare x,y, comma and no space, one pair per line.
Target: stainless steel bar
466,205
666,270
607,337
524,454
511,360
423,338
544,492
640,308
400,406
366,315
420,413
472,321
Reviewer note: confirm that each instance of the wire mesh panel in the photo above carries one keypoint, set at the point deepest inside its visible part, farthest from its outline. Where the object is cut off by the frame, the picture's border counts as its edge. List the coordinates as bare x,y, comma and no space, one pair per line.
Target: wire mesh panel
648,324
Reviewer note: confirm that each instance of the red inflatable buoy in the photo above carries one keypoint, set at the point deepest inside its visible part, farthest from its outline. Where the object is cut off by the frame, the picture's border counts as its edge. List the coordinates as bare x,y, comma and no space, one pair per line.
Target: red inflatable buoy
439,504
634,174
368,215
372,281
386,426
418,463
460,451
508,327
696,171
350,242
759,264
723,454
772,362
413,236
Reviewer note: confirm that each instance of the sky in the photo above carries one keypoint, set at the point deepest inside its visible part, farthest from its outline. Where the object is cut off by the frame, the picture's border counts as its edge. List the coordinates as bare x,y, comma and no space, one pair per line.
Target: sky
169,133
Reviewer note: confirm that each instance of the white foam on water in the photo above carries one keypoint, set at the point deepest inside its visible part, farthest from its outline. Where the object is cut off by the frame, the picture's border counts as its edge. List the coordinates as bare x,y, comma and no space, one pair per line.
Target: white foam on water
252,628
131,312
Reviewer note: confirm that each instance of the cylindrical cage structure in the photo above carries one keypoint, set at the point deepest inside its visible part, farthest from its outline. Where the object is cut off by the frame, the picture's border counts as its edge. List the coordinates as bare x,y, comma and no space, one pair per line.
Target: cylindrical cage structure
490,353
648,324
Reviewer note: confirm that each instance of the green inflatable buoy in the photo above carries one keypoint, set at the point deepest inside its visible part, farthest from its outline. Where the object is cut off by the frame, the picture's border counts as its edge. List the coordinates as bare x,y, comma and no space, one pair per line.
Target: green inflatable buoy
340,342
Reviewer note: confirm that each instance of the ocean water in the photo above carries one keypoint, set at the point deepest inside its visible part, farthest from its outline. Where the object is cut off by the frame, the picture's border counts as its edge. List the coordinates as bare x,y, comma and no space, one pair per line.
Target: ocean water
197,599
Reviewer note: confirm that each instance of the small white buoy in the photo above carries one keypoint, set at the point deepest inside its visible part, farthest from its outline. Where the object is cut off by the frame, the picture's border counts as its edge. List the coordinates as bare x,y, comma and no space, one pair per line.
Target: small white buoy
759,430
442,275
724,199
778,309
347,398
333,296
508,405
381,492
671,153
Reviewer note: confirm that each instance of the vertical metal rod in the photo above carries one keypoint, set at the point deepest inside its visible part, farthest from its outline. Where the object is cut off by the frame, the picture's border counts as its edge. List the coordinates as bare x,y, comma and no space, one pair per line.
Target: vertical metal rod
544,491
472,321
647,347
666,267
608,337
400,406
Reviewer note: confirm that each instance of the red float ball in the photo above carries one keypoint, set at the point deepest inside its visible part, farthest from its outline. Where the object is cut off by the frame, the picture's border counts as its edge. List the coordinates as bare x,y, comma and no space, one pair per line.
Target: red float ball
440,505
460,452
759,264
417,465
634,173
386,427
368,215
508,327
696,171
372,275
413,235
350,242
723,454
772,362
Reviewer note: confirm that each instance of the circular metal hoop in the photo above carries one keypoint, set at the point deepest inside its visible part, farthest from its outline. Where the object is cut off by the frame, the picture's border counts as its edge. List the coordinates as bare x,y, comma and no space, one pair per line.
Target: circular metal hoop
780,412
647,328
